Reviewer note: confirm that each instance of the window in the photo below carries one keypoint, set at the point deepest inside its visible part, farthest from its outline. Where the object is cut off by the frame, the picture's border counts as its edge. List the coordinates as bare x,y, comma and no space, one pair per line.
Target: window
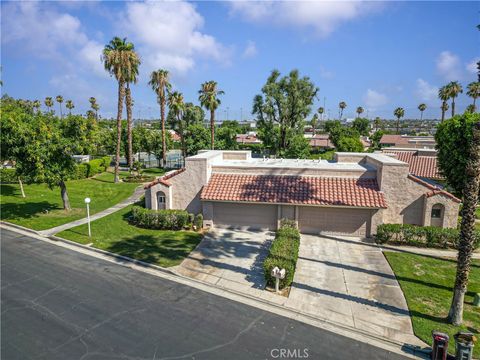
160,200
436,213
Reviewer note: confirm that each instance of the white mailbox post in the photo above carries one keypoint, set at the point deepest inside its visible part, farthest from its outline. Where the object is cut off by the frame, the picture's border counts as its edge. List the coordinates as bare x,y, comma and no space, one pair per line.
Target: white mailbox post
87,201
278,274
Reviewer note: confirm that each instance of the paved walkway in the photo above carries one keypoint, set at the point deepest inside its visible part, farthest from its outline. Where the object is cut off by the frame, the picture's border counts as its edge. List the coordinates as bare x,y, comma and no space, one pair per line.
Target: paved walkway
448,253
138,193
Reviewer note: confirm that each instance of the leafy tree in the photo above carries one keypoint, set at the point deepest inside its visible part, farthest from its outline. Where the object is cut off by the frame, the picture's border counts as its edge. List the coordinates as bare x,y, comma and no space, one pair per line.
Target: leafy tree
453,89
467,228
399,113
376,137
48,103
284,104
473,90
349,144
159,81
209,98
69,105
359,111
59,99
454,139
197,138
299,147
342,105
119,59
443,94
362,125
36,105
422,107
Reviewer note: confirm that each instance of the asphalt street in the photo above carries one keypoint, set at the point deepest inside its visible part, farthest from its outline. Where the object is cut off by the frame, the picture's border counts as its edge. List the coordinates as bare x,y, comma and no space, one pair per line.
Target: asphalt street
60,304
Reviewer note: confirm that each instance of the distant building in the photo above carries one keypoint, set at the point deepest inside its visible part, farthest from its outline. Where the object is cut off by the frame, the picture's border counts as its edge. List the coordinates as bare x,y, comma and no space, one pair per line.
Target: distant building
174,135
321,142
405,141
250,138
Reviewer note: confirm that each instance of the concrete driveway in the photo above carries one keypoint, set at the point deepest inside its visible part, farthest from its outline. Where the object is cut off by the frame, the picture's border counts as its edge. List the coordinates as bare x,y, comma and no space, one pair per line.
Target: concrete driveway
229,258
350,282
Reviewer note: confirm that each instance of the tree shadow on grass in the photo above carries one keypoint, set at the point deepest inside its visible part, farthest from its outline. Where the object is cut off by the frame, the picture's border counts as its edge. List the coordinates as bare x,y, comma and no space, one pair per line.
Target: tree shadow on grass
151,249
26,210
9,190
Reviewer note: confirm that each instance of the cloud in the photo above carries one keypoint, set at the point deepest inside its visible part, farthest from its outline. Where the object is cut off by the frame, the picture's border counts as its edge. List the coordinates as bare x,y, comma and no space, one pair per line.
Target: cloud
426,92
472,66
321,16
449,66
169,35
326,74
250,50
374,100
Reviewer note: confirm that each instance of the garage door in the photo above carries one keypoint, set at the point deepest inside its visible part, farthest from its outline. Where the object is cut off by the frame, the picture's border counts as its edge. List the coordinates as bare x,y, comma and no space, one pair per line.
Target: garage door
246,216
318,220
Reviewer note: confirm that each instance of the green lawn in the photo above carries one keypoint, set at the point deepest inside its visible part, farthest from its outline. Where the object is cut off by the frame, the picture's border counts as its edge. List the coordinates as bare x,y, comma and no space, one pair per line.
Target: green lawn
327,155
42,208
428,284
153,171
113,233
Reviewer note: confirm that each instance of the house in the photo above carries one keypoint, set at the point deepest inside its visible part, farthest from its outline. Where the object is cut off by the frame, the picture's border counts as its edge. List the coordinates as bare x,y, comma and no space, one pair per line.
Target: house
250,138
404,141
174,135
349,196
321,142
422,162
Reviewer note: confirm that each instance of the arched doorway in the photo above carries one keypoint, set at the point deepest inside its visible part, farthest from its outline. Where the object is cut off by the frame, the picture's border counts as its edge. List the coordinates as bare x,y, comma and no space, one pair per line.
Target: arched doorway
161,200
437,214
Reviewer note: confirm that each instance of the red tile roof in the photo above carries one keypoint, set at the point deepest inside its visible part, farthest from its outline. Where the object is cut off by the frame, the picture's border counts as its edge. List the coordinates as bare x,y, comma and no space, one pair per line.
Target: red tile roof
294,190
434,190
321,140
394,139
424,166
163,180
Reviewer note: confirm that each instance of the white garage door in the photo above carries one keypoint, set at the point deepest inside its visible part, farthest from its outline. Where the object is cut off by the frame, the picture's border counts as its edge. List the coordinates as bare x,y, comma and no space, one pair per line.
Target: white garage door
247,216
318,220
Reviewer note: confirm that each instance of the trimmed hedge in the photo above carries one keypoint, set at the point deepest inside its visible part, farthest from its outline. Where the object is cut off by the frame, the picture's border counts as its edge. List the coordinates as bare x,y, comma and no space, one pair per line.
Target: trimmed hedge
283,253
160,219
7,176
422,236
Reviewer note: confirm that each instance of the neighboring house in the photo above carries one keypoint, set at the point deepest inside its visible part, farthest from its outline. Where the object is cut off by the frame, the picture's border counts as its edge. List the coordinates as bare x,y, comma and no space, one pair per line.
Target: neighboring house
404,141
81,158
422,162
366,142
350,196
321,142
250,138
174,135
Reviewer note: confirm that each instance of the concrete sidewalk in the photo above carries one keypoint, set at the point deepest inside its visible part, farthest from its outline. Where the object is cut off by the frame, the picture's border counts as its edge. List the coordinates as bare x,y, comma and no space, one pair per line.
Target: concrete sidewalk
138,193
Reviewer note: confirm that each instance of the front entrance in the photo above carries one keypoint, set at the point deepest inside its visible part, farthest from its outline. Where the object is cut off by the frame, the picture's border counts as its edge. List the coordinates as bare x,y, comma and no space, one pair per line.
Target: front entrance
160,200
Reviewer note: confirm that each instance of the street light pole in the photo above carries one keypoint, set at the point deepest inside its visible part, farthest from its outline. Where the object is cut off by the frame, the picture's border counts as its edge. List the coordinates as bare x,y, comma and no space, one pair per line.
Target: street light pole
87,201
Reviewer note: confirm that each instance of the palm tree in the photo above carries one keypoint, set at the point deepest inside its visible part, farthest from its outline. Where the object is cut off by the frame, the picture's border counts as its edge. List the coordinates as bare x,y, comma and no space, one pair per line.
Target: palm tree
160,84
473,90
131,74
359,111
69,105
36,105
96,107
118,57
208,97
467,228
177,106
48,102
453,89
320,111
377,122
470,109
444,96
399,113
422,107
314,123
342,105
59,99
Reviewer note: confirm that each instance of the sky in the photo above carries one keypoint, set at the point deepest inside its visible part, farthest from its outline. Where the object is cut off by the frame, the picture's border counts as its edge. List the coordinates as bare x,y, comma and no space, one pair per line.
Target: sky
378,55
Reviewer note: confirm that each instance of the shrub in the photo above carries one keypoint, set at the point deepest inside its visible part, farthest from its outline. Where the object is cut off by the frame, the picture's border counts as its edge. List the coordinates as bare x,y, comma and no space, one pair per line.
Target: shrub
198,221
160,219
81,171
288,223
283,253
8,176
95,167
106,160
138,179
428,236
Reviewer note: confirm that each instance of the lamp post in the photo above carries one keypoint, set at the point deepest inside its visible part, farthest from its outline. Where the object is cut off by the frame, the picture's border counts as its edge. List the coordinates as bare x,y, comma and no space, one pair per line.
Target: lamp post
87,201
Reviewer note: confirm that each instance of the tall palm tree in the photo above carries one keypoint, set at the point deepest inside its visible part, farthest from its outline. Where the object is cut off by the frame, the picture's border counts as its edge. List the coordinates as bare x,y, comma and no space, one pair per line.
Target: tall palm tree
208,97
118,57
36,105
377,123
131,75
161,85
359,111
467,228
176,105
59,99
48,102
422,107
69,105
399,113
444,96
320,111
453,89
473,90
342,105
96,107
314,123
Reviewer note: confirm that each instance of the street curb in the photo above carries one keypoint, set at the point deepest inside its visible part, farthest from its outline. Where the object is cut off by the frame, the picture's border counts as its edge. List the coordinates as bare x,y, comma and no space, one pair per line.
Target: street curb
407,349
